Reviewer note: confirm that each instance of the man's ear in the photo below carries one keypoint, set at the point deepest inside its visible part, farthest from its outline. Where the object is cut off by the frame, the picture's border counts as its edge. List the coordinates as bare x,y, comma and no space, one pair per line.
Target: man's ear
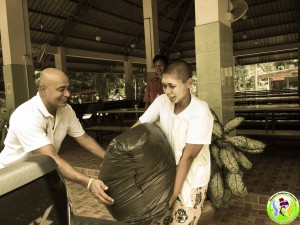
190,82
42,89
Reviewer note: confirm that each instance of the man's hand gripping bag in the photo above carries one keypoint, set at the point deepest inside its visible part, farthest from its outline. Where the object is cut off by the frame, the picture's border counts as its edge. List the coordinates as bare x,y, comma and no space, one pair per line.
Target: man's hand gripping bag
139,170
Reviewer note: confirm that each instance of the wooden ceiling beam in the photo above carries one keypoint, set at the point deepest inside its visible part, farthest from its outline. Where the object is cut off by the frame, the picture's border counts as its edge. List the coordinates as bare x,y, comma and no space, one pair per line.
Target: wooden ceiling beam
180,21
93,55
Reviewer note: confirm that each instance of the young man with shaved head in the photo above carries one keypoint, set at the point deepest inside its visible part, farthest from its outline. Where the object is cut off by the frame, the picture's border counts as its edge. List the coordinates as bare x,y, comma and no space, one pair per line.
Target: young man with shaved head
187,123
39,126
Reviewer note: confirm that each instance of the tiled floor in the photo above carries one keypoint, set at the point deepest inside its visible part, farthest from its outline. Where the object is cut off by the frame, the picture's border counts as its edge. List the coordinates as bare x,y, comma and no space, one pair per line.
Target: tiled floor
277,169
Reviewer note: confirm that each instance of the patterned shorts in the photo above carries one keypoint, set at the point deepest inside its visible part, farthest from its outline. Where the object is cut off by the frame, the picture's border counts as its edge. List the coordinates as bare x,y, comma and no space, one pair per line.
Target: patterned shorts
178,214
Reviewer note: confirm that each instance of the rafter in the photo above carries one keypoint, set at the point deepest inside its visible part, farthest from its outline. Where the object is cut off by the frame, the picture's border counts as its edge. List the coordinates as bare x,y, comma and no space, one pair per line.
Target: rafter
180,21
71,22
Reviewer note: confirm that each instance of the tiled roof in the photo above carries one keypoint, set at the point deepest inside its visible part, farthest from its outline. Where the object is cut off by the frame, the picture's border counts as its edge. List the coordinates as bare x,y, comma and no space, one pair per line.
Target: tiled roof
270,26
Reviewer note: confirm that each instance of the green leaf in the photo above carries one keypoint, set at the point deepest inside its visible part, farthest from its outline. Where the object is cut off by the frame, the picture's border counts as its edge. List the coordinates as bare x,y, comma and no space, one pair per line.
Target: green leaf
227,196
236,185
244,161
214,150
221,143
242,142
214,115
218,129
229,161
232,124
252,151
233,150
216,190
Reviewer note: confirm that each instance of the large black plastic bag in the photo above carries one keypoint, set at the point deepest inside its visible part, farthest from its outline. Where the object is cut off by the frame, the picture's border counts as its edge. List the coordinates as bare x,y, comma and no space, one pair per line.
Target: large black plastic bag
139,169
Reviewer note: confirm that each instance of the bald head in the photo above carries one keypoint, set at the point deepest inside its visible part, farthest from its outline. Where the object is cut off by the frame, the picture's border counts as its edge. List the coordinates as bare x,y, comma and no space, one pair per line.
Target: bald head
50,75
54,88
181,68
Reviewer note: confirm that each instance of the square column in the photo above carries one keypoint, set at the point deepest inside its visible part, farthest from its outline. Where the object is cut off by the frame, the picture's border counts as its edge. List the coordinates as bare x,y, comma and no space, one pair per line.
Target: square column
151,33
16,50
214,57
128,79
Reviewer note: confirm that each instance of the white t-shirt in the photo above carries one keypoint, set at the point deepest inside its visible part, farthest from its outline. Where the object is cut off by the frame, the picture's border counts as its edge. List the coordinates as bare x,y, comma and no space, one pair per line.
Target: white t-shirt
31,126
193,126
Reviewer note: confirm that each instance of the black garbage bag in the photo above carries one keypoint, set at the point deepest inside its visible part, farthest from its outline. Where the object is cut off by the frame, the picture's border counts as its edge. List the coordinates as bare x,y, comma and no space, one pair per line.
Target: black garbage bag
139,169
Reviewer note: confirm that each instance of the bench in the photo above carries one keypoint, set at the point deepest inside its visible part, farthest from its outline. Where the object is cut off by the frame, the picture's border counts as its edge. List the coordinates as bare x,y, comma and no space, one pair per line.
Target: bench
277,125
104,130
275,116
266,93
255,133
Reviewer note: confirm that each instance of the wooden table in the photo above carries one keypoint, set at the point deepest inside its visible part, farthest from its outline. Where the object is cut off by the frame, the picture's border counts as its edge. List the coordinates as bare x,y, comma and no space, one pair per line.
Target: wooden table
123,110
269,111
103,130
118,128
136,111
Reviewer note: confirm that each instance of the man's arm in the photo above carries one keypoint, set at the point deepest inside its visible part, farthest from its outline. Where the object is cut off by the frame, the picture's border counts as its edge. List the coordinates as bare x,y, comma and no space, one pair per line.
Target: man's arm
190,152
91,145
97,187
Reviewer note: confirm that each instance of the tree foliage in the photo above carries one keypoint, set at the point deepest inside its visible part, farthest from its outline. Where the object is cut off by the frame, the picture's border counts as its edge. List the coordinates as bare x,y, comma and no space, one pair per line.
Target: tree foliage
243,75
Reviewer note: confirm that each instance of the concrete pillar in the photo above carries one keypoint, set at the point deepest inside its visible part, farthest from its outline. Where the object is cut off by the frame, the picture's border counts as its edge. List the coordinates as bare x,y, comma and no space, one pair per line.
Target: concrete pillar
16,50
128,80
151,34
60,59
214,56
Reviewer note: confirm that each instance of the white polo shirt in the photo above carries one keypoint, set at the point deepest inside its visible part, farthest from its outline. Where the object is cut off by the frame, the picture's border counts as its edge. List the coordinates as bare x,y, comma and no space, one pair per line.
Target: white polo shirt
192,126
31,126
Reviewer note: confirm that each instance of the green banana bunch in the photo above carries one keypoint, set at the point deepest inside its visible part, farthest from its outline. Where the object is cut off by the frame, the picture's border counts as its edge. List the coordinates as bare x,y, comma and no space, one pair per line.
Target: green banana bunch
228,157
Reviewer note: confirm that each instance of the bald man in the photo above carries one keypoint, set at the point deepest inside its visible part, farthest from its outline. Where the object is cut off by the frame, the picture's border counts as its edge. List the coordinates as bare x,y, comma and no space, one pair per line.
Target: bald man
39,126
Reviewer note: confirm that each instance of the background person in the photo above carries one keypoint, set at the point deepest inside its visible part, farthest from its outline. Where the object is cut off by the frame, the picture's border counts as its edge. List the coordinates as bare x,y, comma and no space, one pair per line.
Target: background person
154,87
187,123
39,126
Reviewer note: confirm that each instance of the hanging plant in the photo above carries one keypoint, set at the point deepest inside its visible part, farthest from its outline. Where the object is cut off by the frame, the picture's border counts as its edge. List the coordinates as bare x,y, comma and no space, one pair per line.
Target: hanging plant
228,161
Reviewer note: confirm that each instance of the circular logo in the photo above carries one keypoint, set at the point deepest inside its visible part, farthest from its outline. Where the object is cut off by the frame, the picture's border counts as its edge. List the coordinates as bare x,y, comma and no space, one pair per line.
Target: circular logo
283,207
